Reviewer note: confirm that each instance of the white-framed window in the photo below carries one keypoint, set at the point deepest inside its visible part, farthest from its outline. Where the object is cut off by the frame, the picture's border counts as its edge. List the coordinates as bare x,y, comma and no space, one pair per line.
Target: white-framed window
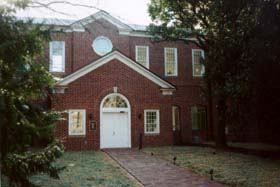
175,118
77,122
142,55
170,61
57,56
198,68
151,123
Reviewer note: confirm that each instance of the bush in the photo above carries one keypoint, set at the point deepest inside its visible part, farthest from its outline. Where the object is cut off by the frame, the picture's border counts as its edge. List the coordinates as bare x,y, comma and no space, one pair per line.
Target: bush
19,167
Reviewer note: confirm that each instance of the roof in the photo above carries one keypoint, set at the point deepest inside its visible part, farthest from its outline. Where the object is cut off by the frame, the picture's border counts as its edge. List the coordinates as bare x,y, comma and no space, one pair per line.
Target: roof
79,23
163,84
48,21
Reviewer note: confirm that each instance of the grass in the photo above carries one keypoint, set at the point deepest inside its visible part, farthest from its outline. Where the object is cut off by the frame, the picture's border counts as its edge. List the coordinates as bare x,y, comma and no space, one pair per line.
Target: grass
232,169
87,169
251,146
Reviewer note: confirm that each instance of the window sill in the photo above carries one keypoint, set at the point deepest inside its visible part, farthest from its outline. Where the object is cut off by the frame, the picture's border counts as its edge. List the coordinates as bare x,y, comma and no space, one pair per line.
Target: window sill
77,136
152,134
197,76
57,73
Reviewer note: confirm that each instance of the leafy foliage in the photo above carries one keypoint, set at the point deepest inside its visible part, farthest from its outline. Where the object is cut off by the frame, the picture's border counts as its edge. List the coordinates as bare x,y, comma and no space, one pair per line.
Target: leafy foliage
24,84
18,167
233,34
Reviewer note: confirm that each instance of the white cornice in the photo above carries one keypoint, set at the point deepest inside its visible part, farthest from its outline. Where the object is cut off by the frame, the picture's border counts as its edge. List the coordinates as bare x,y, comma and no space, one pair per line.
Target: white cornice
164,85
78,25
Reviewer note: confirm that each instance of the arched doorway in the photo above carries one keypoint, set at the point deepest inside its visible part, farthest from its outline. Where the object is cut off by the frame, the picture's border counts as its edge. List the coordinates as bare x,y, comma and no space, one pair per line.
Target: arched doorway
115,124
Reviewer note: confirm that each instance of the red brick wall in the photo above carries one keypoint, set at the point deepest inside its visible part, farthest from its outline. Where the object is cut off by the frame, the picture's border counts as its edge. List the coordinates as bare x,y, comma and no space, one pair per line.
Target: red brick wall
88,91
79,51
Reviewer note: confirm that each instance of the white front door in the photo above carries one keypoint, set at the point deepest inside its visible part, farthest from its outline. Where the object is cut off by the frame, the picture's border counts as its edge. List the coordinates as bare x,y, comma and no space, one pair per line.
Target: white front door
115,130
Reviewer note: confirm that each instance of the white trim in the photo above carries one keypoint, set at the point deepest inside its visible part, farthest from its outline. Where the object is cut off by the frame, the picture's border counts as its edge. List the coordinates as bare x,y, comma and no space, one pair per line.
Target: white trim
174,125
50,56
147,65
70,120
203,68
95,47
158,121
176,62
136,34
122,58
101,15
104,110
60,89
167,91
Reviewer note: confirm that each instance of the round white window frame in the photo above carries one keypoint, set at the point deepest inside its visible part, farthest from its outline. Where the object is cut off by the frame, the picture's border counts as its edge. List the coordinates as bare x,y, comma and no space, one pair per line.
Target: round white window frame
95,45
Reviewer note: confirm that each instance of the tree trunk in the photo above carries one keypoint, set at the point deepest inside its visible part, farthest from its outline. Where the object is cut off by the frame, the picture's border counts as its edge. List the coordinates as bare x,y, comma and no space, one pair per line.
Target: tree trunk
220,129
4,127
210,129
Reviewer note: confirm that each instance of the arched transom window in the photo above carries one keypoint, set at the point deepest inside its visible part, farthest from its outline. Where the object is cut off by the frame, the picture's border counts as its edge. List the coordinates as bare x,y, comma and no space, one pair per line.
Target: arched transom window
115,101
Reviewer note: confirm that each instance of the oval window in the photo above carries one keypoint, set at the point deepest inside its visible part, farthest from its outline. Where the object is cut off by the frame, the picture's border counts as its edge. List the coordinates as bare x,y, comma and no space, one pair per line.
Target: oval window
102,45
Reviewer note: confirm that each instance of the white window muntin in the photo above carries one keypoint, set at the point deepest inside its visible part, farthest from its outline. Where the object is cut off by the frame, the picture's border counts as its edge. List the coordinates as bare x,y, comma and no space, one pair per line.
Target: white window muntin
175,61
157,129
53,66
70,121
193,62
147,63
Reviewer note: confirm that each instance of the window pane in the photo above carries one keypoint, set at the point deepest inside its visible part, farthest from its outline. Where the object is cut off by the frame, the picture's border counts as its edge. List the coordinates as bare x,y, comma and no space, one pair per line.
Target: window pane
57,48
151,121
170,61
56,63
76,122
115,102
199,120
198,68
176,118
57,56
142,55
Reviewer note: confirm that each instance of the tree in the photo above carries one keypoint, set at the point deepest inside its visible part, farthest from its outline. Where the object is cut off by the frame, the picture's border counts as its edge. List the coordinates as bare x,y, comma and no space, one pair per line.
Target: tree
23,83
228,32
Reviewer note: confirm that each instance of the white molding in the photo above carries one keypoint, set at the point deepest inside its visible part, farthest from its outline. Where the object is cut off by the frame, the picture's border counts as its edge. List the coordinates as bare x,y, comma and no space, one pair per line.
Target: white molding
158,121
203,68
101,15
176,62
60,89
167,91
122,58
136,34
95,47
70,120
50,56
147,54
104,110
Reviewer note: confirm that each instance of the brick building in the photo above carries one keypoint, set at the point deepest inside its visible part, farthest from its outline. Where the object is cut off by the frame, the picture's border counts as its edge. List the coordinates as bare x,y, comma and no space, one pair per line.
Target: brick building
117,88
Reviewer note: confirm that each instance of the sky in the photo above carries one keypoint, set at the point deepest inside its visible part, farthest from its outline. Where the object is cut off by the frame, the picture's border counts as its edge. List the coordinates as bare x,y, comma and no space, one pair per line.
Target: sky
129,11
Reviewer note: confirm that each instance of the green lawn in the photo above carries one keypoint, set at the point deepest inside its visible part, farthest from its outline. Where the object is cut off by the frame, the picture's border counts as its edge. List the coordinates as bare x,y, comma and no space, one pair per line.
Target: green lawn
251,146
87,169
232,169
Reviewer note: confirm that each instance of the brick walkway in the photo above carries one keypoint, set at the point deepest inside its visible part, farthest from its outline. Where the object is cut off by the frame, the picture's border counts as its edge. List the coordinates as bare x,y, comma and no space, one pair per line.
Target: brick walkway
154,172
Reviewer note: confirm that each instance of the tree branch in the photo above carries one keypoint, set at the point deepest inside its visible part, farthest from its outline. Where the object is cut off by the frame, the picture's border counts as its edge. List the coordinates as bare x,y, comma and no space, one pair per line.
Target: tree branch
38,4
